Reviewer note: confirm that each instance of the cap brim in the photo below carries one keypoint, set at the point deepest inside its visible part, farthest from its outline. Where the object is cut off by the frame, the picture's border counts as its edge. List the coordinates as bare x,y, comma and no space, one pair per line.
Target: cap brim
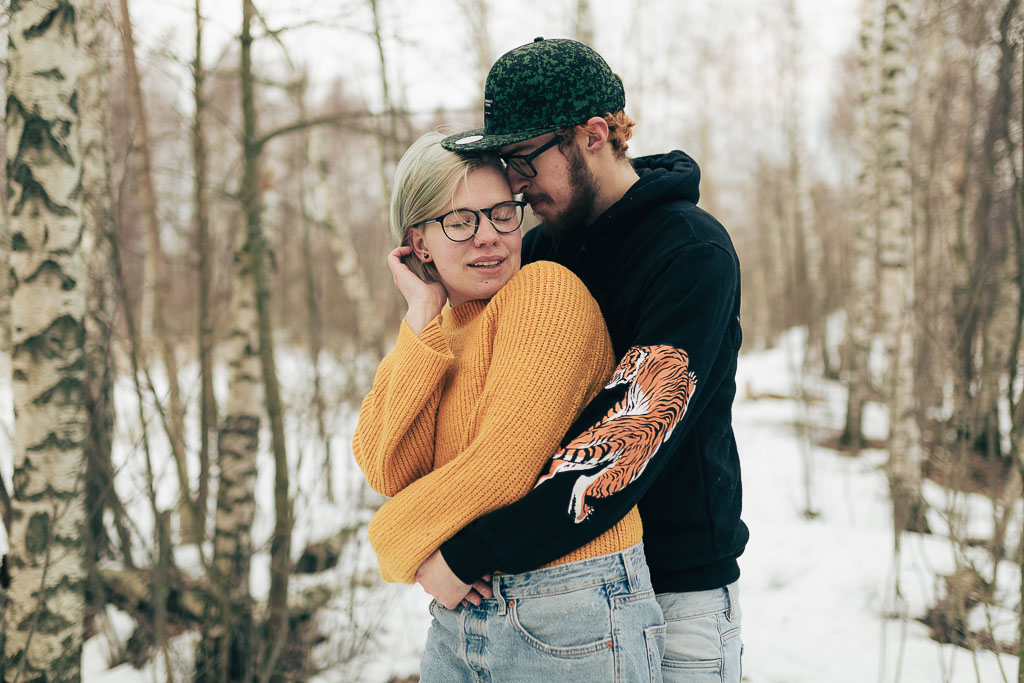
479,141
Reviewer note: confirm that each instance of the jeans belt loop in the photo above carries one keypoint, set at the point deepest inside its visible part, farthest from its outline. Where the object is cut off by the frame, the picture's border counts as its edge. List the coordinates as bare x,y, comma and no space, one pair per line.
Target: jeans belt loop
631,578
730,600
496,588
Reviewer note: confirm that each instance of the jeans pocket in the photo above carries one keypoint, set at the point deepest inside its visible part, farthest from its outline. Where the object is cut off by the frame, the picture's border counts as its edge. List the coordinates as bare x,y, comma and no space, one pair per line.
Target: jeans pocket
568,625
654,638
694,645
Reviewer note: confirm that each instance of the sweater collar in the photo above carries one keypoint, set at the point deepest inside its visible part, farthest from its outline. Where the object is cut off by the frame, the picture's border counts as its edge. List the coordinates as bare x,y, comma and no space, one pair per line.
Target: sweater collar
465,312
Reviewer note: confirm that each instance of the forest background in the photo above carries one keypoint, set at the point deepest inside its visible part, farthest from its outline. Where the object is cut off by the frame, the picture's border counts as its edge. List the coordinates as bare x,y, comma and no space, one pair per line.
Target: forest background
196,209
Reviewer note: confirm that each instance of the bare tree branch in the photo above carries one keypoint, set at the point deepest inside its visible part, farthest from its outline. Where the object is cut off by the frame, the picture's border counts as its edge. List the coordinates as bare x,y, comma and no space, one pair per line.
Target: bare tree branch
327,120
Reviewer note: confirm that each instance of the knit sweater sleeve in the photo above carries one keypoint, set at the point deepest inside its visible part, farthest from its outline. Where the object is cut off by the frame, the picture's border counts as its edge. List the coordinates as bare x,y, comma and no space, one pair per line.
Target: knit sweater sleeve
394,437
551,355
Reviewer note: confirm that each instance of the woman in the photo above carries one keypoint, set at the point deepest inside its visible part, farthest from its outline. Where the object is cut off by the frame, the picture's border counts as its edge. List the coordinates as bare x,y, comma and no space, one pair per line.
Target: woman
465,413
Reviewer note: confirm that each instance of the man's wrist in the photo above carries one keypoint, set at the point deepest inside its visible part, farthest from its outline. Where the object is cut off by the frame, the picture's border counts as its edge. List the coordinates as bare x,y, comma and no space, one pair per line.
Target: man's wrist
468,556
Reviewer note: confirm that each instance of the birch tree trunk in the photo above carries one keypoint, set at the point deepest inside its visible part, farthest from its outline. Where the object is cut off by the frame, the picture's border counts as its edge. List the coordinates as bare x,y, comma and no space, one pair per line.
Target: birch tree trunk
97,214
1017,429
207,402
5,268
155,284
991,232
860,306
1005,493
354,278
98,217
276,623
964,277
933,123
226,651
896,275
43,620
1015,398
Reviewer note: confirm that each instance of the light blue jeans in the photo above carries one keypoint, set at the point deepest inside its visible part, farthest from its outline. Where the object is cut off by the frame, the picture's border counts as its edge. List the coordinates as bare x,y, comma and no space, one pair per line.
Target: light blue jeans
591,620
702,636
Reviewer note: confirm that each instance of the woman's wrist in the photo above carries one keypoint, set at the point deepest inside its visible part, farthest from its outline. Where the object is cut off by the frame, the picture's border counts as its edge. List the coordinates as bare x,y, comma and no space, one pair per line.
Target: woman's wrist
419,316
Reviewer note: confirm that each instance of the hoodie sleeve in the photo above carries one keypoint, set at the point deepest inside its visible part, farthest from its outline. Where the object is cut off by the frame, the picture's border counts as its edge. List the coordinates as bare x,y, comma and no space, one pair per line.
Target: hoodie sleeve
617,448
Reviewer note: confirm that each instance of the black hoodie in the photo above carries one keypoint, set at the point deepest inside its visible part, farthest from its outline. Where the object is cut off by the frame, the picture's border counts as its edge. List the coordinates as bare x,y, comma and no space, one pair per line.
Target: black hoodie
660,434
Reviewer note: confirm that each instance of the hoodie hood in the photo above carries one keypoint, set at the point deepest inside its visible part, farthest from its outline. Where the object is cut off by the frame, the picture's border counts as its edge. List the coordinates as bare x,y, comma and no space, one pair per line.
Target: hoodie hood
664,178
674,175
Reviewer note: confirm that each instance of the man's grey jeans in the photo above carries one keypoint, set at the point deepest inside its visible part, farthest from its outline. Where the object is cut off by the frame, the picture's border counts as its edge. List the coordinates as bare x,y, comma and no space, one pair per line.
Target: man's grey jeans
702,636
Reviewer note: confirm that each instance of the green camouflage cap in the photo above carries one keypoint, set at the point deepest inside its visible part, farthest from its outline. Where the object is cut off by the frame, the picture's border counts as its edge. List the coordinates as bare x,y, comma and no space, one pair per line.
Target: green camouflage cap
540,87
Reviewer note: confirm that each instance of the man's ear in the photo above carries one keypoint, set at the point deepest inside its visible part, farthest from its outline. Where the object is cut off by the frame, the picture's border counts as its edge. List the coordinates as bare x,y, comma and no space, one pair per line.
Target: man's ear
596,131
414,238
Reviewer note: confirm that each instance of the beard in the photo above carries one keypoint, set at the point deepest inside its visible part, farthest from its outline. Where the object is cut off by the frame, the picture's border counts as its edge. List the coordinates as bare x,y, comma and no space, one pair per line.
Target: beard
581,200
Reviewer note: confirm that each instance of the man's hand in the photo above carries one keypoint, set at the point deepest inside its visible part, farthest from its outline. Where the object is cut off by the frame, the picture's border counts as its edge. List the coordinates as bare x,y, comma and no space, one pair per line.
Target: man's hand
438,580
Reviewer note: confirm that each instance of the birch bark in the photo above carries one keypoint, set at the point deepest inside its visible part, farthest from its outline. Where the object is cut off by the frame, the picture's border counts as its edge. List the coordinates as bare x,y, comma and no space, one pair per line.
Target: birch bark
860,306
43,620
226,647
896,275
276,623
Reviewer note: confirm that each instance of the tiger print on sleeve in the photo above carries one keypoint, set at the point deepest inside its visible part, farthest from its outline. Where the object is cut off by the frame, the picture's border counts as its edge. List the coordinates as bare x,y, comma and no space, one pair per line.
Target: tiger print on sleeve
615,451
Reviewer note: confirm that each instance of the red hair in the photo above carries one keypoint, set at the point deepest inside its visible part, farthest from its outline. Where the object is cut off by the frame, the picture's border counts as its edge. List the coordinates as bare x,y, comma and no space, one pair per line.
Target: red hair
620,130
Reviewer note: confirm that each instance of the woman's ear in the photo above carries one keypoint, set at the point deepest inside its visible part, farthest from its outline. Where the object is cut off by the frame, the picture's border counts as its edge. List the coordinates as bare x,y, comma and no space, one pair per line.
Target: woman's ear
414,238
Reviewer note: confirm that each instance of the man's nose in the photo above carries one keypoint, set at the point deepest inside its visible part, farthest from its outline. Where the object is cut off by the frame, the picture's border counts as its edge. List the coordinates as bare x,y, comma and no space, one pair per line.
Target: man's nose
516,181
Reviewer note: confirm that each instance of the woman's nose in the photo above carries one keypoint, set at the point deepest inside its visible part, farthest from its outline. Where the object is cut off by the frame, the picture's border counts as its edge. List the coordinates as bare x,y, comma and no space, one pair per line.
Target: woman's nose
485,232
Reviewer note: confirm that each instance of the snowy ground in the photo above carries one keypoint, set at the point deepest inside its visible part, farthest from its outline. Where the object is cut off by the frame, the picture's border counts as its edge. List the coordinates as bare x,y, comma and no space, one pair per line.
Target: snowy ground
819,596
824,599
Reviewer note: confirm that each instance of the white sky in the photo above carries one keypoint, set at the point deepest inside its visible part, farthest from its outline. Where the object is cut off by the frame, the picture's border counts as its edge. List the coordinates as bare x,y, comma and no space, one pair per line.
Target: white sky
431,59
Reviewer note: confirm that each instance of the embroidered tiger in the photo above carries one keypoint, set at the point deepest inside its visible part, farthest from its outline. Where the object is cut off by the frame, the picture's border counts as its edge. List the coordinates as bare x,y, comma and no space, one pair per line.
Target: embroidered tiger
618,448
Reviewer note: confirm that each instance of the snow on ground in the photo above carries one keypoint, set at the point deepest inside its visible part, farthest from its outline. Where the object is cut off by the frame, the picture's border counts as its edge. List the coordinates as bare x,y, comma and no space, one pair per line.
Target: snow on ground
818,596
823,599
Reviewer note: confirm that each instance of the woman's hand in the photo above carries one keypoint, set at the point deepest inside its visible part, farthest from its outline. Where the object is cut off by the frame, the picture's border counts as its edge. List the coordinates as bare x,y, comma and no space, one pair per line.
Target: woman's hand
425,299
438,580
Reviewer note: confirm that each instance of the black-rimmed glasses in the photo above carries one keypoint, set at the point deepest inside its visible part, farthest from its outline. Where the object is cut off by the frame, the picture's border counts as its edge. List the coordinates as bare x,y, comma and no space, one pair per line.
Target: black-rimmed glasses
523,163
461,224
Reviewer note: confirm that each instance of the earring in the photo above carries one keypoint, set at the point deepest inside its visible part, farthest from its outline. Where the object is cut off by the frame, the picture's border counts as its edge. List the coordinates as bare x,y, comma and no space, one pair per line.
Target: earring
426,256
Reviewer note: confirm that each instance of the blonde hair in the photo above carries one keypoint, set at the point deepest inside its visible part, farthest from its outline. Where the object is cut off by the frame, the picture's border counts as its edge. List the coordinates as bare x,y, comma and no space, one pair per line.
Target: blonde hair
426,180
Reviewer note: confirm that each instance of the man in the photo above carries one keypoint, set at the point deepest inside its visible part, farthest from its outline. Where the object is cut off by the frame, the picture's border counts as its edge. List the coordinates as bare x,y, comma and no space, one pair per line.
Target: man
660,434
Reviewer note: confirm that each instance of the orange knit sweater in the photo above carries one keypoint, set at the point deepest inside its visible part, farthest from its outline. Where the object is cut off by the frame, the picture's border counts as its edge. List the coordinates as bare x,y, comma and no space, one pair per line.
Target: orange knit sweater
464,418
